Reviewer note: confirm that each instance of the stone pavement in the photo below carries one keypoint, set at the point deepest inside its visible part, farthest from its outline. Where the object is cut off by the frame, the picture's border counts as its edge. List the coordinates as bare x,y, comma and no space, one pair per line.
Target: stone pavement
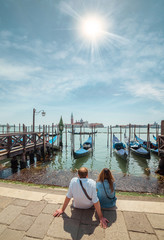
26,214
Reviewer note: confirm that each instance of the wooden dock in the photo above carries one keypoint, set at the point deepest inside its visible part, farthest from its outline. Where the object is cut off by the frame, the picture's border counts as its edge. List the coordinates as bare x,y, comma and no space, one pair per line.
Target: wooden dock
15,144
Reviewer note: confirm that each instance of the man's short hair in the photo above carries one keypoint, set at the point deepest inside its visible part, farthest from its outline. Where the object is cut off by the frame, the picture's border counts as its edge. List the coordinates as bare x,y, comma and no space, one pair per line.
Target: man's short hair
83,172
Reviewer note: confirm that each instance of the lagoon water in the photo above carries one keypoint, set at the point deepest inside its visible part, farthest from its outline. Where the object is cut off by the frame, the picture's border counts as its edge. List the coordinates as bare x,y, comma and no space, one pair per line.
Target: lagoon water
134,174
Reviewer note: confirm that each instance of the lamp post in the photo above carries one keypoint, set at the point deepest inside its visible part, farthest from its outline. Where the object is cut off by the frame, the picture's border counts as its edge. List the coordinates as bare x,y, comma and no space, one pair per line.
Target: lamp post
35,112
61,128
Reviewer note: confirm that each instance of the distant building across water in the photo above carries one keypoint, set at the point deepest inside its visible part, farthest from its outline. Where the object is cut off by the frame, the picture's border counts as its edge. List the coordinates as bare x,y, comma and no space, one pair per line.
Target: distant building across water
81,123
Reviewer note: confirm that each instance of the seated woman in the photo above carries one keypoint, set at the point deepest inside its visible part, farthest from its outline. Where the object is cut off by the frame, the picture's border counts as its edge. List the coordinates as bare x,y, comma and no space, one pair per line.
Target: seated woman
106,189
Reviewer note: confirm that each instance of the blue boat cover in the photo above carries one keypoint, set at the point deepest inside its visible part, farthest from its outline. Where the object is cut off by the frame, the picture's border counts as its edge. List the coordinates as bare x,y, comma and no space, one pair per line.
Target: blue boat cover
54,139
81,151
89,141
115,139
144,143
139,140
142,150
154,138
117,144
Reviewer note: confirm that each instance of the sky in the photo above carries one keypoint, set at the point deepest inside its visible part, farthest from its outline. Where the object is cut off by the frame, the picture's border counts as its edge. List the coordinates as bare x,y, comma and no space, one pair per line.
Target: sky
102,60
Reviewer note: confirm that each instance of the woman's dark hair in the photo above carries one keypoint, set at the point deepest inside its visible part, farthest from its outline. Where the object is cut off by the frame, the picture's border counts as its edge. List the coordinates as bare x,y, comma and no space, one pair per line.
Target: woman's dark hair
106,174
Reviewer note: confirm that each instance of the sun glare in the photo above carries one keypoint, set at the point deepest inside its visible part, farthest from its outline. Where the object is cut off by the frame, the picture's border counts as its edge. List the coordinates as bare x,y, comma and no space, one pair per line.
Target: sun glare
92,28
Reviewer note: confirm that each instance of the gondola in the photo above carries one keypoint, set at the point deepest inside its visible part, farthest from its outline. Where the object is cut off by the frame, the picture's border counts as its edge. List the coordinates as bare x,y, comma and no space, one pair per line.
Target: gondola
137,149
119,148
84,133
143,143
84,150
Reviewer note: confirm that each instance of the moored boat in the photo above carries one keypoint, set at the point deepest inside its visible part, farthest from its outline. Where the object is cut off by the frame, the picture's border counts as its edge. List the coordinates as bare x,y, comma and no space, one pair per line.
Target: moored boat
153,146
84,150
137,149
119,148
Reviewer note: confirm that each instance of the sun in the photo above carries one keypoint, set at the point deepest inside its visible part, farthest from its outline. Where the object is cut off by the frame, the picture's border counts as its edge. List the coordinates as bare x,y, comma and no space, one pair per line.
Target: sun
92,28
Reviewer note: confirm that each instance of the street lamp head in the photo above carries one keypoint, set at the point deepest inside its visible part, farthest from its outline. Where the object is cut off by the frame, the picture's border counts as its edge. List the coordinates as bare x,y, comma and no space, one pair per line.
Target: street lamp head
43,113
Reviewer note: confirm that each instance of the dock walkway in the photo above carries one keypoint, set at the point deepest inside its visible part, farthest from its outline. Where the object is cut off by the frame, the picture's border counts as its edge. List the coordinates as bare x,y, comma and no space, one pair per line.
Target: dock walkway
26,214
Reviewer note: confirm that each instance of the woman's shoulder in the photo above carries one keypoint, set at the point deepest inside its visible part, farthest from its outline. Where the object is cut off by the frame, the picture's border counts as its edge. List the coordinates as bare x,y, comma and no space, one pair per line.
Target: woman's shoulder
98,183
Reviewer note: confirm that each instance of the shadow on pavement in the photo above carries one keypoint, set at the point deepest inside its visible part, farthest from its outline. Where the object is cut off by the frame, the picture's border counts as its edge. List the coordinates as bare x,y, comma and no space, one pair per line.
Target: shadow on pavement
84,222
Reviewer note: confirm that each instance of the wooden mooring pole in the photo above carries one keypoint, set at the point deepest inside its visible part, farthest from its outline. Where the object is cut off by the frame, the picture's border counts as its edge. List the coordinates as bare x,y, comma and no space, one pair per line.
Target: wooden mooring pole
148,136
160,169
52,136
129,138
72,140
157,132
66,136
44,142
92,141
94,135
80,135
23,162
134,131
108,136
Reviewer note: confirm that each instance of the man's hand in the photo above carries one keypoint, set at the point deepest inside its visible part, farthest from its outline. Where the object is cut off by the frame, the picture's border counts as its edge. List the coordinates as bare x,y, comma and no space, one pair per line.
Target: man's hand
58,212
103,222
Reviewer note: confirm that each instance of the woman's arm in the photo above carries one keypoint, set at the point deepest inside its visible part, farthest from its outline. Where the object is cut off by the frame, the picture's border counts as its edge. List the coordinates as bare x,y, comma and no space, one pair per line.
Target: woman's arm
103,221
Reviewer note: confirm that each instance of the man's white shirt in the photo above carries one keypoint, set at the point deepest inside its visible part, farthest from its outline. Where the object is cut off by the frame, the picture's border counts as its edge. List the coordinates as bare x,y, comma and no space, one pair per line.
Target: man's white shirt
75,191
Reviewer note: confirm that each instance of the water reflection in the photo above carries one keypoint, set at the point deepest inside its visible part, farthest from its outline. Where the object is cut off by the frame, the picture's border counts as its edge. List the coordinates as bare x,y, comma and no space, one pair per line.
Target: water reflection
143,163
79,162
122,163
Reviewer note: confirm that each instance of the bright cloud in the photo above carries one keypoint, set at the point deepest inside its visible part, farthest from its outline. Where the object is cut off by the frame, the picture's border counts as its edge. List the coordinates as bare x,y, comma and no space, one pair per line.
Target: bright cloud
153,91
14,72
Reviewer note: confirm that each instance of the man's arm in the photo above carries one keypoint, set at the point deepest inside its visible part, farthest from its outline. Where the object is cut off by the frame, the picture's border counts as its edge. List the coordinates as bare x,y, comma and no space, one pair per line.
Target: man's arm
103,221
59,211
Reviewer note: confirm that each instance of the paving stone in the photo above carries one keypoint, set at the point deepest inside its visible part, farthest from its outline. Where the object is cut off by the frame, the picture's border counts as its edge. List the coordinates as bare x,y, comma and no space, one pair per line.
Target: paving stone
137,222
5,201
21,193
73,213
2,228
50,238
156,220
142,236
10,234
116,221
21,202
40,226
65,228
50,208
10,213
160,234
89,216
111,235
34,208
89,232
54,198
22,222
116,229
29,238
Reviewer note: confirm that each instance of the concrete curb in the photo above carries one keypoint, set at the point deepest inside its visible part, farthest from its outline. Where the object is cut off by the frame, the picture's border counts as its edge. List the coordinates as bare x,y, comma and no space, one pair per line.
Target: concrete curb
122,205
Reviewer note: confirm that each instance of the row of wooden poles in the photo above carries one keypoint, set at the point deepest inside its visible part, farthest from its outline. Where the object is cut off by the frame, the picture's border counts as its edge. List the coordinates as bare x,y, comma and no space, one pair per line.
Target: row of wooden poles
53,130
132,133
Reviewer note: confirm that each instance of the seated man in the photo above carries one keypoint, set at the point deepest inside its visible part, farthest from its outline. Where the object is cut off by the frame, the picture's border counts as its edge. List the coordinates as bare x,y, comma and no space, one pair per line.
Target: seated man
83,191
